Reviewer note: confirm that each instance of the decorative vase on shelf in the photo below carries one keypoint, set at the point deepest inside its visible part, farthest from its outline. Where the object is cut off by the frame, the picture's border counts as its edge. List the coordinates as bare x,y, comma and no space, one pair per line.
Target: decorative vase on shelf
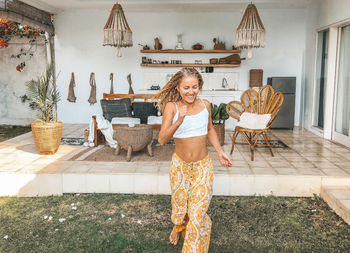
179,42
157,44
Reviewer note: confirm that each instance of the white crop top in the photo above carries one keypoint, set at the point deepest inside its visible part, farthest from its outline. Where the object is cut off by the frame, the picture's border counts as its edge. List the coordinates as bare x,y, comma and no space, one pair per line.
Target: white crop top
193,125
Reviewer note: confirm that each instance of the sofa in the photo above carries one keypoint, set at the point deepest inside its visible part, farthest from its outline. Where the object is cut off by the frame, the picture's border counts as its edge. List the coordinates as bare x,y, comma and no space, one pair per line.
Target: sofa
126,109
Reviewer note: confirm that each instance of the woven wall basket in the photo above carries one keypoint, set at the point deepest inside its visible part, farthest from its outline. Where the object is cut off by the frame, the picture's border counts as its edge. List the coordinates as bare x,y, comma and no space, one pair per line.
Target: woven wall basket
255,77
47,136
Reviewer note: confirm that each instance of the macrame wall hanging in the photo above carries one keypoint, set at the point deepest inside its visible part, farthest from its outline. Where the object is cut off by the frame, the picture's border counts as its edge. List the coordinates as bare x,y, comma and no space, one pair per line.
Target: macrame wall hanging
131,91
111,91
71,96
251,31
92,99
117,32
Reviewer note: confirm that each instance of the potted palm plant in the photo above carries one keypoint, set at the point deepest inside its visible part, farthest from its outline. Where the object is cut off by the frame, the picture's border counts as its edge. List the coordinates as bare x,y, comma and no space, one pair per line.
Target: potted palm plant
43,97
218,117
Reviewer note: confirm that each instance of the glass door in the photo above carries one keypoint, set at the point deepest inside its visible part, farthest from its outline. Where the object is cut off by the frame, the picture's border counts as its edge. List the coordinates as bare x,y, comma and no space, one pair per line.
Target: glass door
341,121
321,78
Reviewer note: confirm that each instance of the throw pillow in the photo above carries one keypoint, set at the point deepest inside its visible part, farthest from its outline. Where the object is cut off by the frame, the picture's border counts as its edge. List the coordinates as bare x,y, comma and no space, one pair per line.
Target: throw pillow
254,121
116,108
144,109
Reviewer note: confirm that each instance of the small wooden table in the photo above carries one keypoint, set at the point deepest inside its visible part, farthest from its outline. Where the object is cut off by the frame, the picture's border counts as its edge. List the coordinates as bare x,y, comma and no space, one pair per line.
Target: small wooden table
134,139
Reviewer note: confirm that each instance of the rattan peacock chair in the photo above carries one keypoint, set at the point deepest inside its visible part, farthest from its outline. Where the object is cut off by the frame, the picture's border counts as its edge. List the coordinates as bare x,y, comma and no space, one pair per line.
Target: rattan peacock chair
262,102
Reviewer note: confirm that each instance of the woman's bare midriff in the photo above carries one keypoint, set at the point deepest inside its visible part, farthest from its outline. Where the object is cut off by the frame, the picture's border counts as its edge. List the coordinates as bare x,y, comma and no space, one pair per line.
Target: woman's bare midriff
191,149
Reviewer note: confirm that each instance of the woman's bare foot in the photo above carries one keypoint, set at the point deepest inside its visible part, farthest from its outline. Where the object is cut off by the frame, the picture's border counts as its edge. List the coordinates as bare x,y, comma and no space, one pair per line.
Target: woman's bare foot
174,236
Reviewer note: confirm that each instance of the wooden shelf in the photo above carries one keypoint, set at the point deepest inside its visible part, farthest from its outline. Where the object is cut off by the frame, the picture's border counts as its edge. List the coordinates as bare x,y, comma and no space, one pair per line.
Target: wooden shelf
192,65
188,51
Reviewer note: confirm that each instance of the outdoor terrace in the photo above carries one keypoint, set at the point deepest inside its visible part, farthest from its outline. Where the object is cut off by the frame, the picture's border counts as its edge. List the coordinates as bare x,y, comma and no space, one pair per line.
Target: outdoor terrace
311,165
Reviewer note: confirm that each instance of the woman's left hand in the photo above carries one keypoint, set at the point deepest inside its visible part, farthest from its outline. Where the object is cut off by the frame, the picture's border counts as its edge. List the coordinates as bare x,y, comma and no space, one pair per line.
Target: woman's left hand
224,160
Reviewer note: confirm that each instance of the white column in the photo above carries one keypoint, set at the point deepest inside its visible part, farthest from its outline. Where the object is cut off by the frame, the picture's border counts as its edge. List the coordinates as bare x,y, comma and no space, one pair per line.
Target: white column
331,82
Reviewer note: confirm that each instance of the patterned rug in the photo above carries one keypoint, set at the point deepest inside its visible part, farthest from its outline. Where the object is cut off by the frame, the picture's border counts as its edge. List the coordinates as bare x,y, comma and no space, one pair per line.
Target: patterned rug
169,143
80,141
273,143
72,141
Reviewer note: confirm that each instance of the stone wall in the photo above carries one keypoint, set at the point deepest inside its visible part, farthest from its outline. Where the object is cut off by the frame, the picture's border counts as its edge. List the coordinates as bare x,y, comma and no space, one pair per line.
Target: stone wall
12,82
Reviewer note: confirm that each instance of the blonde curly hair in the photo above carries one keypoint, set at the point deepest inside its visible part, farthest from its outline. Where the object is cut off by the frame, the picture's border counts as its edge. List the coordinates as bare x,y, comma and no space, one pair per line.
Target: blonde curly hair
169,93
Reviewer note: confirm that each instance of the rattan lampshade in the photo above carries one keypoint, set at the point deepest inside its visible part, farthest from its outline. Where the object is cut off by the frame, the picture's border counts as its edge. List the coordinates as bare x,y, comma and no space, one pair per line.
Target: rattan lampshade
117,32
251,31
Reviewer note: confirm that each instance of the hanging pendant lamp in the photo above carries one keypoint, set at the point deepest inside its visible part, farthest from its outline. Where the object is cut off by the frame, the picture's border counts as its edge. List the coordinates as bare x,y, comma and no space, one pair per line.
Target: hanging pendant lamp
251,31
117,32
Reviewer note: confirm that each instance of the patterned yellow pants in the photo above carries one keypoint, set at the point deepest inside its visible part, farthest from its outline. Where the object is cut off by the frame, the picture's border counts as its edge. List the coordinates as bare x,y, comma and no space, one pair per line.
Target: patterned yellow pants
191,192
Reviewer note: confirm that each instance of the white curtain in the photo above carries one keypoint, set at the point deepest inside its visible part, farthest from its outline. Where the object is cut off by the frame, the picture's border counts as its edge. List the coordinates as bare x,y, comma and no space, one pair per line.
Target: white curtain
342,117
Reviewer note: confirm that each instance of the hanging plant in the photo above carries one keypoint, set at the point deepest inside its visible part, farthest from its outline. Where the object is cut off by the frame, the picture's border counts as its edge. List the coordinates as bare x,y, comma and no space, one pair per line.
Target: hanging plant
28,53
9,29
3,43
20,66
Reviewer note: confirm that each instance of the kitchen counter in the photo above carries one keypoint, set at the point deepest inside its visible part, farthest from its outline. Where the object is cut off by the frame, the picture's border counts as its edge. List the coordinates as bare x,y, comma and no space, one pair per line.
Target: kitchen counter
220,92
216,92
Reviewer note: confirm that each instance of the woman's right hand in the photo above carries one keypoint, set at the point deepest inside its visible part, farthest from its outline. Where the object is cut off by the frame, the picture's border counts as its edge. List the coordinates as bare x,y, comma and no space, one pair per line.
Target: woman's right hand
182,113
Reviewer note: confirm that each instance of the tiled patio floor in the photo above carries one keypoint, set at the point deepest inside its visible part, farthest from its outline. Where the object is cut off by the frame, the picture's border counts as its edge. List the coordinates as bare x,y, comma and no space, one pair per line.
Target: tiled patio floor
309,163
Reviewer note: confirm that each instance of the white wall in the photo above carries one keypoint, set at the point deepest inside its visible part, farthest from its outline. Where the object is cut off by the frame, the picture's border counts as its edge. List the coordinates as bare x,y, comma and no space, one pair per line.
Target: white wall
322,13
79,49
333,11
12,82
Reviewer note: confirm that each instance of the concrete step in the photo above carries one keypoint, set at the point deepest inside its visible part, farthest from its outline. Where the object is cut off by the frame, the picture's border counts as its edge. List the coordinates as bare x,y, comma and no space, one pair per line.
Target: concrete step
338,198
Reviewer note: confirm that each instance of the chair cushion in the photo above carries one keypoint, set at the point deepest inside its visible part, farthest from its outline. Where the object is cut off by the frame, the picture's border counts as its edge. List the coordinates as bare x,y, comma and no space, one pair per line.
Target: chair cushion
125,120
254,121
144,109
116,108
154,120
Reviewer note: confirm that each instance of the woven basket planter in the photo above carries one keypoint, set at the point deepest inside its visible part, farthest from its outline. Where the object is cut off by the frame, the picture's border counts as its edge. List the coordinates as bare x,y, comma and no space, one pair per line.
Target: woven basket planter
220,131
47,136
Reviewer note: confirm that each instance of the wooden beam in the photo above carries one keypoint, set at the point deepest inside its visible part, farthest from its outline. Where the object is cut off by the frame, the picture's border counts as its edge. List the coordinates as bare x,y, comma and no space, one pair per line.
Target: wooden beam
25,14
145,97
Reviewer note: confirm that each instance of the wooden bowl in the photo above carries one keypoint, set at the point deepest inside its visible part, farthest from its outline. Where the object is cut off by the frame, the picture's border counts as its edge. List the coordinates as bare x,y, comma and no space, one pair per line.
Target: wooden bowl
197,46
213,60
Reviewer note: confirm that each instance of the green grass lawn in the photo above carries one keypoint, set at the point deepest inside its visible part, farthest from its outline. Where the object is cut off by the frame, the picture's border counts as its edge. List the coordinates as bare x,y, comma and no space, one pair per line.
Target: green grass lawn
8,132
141,223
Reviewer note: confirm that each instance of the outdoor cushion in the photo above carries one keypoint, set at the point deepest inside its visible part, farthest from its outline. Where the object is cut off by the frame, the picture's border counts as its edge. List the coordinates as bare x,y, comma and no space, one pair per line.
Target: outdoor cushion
144,109
125,120
116,108
254,121
154,120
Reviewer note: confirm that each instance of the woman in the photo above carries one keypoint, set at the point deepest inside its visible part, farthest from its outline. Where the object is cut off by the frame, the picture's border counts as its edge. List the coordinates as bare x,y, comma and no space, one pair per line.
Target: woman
187,119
